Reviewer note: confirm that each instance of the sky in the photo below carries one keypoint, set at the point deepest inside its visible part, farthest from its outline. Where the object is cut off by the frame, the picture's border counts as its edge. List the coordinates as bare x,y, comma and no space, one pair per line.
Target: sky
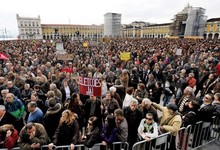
87,12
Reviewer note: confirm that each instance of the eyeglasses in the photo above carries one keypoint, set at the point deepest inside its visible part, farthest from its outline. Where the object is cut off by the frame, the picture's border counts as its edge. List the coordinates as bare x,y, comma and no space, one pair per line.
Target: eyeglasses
149,118
89,123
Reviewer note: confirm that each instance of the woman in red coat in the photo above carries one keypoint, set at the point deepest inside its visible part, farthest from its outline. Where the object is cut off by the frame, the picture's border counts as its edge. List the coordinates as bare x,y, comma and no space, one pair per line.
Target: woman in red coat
8,136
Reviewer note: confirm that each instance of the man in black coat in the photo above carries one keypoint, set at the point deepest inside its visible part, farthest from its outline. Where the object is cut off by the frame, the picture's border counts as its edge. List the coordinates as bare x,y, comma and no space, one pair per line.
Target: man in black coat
205,114
204,77
5,117
93,108
13,89
133,116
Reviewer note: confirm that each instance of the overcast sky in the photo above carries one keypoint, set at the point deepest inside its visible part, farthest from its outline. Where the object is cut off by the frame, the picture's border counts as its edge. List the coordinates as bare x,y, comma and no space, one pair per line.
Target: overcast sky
92,11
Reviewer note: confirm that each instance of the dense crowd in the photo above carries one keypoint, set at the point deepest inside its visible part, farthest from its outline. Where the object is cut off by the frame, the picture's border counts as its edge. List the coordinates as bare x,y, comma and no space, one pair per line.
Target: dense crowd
41,104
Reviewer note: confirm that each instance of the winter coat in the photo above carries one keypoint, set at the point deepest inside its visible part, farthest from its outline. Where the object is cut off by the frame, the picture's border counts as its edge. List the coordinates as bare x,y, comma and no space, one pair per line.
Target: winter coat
108,134
66,134
51,119
10,141
92,138
174,124
24,142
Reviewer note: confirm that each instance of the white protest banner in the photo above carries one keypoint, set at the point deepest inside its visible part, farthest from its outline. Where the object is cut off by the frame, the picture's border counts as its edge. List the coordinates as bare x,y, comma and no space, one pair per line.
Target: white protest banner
179,52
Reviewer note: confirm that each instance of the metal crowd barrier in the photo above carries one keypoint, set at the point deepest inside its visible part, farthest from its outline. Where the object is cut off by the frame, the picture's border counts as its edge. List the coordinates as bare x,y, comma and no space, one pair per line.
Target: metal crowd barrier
183,138
114,146
156,143
188,138
215,134
205,132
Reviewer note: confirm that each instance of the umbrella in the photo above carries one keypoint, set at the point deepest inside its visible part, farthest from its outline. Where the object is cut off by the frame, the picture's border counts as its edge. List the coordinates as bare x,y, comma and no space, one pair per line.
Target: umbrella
3,57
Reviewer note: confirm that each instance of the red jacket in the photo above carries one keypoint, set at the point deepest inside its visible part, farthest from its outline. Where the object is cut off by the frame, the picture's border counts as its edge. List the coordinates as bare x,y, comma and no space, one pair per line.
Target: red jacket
192,82
67,69
10,141
217,67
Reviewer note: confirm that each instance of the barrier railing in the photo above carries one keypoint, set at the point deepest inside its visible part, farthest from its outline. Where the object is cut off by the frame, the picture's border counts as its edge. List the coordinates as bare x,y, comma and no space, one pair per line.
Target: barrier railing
216,128
160,142
183,138
113,146
187,138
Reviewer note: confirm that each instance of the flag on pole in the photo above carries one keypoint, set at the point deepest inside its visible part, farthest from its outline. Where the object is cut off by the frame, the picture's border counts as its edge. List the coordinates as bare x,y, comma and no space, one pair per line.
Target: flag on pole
3,56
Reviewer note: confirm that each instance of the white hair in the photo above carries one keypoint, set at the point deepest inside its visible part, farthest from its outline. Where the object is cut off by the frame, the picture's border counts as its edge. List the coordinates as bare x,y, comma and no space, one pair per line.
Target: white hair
146,101
2,107
112,88
5,90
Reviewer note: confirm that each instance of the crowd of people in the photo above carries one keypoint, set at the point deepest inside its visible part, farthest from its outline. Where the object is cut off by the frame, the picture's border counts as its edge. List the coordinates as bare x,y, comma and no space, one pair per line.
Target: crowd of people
40,102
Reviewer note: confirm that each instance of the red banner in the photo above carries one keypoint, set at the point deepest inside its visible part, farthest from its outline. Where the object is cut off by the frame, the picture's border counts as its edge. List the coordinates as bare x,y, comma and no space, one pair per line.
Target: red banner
90,86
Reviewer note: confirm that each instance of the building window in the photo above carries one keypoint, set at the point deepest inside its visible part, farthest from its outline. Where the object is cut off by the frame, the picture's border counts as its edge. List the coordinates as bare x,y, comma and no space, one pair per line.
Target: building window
29,23
33,24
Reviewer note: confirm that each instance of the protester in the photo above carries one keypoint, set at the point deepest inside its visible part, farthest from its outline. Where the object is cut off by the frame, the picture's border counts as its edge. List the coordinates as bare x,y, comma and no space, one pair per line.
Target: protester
133,116
146,107
148,129
6,117
9,136
122,125
35,113
92,134
171,121
16,108
67,132
92,107
152,59
32,136
109,131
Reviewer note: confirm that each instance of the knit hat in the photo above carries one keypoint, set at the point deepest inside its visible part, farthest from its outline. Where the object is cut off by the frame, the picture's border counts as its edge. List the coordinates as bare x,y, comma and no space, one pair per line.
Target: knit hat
173,107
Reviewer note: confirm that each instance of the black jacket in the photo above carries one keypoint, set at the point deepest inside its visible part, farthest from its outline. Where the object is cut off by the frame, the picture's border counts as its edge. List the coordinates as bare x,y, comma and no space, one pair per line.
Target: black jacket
8,119
92,138
66,134
205,113
97,111
133,122
51,119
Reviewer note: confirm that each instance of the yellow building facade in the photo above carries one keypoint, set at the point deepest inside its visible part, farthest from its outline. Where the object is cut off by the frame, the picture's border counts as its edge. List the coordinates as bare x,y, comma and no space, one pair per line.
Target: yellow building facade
131,32
150,31
68,31
156,31
212,29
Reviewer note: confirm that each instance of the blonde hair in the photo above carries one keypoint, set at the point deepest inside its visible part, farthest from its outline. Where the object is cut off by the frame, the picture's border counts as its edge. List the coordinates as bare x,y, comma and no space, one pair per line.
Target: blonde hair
50,94
71,117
